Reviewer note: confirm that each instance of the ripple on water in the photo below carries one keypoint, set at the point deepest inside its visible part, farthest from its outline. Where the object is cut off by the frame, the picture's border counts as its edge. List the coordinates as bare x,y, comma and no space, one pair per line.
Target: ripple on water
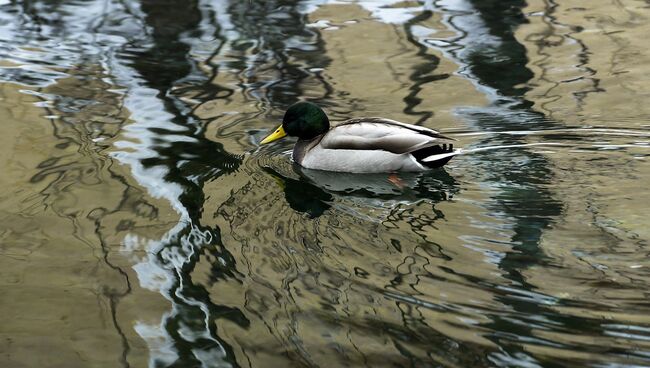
139,206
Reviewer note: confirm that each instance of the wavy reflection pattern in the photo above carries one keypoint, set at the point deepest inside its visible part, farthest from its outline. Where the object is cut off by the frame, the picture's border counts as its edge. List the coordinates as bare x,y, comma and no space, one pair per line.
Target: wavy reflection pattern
171,157
268,264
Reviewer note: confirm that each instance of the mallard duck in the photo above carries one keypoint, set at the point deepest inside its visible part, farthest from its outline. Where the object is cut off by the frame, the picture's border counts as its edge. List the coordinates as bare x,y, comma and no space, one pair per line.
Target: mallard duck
361,145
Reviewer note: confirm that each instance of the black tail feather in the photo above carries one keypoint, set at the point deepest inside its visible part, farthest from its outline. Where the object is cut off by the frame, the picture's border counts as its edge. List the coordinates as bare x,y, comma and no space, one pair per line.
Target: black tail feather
423,153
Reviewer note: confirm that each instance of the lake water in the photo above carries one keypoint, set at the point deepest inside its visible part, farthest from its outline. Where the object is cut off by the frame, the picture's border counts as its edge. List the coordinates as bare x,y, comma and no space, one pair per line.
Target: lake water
141,224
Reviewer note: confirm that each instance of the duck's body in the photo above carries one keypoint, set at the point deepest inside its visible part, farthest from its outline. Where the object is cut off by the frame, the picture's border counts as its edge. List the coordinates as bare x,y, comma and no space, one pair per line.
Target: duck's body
363,145
369,145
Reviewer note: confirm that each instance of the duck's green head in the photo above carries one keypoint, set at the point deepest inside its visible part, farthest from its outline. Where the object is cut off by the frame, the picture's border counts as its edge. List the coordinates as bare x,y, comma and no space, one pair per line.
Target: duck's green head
304,120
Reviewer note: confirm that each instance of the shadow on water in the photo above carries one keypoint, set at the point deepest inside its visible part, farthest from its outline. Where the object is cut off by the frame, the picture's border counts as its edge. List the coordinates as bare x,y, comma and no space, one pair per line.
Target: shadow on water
301,196
502,66
314,190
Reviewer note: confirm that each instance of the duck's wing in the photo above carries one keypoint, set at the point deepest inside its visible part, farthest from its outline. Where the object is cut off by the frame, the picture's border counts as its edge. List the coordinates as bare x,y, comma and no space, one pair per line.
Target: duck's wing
381,134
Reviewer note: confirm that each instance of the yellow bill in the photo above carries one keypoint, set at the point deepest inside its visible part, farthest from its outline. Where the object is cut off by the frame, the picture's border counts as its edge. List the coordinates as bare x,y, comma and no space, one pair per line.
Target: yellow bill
279,133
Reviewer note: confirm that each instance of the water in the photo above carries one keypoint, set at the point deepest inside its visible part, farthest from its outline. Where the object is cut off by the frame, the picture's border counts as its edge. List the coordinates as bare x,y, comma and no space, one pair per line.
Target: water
142,225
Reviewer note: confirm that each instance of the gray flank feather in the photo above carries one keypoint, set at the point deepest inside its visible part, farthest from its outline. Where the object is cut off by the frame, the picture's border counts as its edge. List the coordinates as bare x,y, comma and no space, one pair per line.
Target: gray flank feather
381,134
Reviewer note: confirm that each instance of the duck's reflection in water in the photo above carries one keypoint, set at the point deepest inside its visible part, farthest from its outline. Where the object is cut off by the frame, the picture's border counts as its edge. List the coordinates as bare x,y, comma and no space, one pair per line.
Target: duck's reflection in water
314,191
346,254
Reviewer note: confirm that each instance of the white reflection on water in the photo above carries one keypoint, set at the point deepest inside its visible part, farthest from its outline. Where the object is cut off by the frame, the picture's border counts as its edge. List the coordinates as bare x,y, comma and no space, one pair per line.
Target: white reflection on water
161,268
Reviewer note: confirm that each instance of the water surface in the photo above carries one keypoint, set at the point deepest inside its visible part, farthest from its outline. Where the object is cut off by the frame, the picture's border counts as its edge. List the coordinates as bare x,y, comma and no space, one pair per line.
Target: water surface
142,225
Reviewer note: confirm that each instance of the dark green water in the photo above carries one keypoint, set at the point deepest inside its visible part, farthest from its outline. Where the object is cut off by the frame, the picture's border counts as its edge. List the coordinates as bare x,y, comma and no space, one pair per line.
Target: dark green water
142,225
